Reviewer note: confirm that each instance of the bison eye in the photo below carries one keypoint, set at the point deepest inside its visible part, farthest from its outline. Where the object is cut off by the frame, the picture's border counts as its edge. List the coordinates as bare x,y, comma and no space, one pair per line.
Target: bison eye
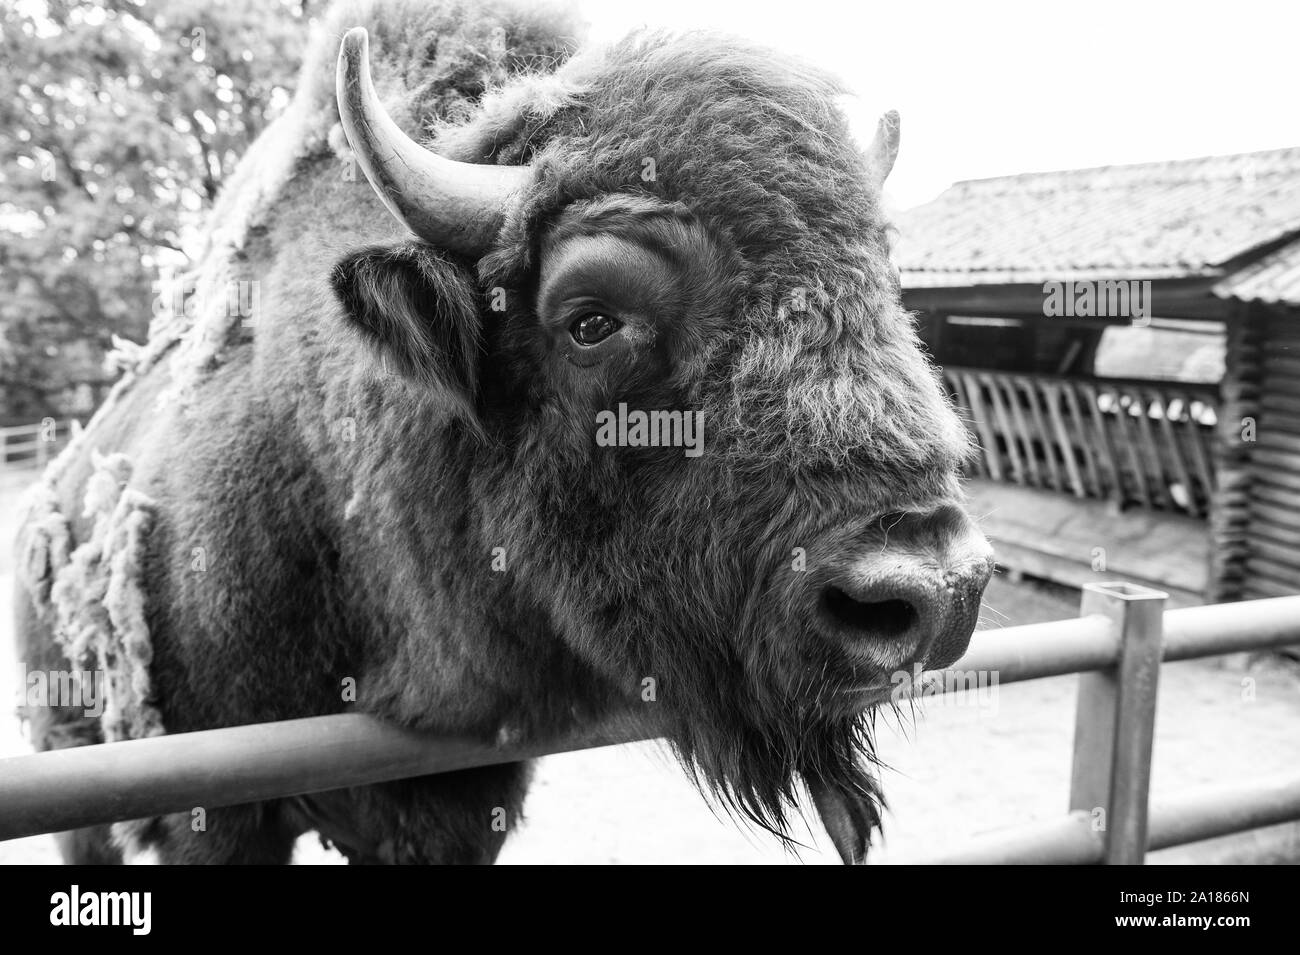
593,328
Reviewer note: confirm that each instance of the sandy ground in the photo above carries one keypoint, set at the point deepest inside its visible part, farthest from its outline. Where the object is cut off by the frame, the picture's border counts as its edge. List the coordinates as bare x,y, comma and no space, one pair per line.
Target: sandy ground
963,765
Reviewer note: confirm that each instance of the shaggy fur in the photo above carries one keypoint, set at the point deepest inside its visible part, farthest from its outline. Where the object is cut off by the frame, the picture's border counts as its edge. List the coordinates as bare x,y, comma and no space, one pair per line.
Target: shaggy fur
99,599
440,526
96,593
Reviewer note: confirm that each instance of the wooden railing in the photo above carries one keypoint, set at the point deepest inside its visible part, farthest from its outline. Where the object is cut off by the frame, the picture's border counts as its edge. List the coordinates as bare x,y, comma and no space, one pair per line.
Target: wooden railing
32,445
1136,442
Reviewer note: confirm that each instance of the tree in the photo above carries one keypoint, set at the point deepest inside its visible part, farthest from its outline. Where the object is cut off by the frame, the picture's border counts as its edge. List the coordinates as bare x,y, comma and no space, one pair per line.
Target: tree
119,120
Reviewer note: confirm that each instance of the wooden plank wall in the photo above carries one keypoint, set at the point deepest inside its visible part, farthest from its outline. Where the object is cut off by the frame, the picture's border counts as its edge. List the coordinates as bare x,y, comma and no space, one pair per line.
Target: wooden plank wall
1272,553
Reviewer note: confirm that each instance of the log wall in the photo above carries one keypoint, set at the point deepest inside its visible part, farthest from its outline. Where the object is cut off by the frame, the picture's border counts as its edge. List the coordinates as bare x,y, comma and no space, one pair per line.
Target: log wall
1270,557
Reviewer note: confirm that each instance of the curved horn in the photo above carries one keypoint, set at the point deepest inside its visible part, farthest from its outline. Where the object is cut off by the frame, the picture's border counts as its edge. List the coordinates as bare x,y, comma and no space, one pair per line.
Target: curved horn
454,205
883,149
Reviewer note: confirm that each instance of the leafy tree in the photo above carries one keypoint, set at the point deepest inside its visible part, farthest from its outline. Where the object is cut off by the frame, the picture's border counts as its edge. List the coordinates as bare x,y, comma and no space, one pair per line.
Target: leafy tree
119,120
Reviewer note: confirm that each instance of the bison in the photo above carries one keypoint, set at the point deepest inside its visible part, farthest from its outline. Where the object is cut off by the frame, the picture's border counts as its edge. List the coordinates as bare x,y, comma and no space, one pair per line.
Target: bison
356,466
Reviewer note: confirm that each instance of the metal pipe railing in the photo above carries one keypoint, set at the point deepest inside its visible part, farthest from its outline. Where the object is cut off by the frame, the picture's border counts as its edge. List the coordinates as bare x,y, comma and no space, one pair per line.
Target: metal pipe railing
1063,840
1087,643
1221,810
1203,813
1231,628
90,785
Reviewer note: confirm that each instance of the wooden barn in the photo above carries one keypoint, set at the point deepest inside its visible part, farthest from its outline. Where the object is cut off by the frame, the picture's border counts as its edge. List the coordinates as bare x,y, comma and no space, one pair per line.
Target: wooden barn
1125,342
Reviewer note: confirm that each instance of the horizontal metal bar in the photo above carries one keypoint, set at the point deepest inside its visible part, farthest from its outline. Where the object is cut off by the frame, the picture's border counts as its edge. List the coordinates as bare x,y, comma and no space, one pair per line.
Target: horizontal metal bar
1043,650
1203,813
1211,811
1084,644
1016,654
1231,628
1064,840
90,785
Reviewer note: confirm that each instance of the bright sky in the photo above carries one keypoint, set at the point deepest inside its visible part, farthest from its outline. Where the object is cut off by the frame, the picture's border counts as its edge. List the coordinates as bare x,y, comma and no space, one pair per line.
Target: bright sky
994,88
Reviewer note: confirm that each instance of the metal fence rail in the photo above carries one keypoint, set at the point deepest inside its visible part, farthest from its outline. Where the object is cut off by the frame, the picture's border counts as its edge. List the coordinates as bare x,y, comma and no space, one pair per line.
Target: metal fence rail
1072,839
88,785
1117,645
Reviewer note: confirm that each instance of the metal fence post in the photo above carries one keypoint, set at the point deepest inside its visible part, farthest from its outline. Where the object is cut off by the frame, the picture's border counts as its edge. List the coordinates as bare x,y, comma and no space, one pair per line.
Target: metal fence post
1115,720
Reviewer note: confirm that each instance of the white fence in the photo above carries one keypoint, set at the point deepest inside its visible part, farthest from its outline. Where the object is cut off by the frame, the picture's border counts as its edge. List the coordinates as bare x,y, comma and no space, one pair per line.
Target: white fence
33,445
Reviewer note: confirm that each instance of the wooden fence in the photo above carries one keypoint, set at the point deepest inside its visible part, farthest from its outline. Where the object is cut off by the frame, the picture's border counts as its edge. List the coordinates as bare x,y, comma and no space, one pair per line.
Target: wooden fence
1136,442
1117,645
33,445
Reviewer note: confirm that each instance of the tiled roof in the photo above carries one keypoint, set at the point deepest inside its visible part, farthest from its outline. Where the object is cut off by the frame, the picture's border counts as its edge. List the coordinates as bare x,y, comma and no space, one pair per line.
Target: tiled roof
1274,279
1176,219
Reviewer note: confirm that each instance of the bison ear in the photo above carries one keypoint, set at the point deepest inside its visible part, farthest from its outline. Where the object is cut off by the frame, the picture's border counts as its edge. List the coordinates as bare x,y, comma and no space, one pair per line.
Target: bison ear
883,149
417,310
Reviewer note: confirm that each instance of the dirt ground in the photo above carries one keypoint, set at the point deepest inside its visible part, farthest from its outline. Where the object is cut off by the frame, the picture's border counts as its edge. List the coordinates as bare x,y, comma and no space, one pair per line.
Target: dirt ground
964,764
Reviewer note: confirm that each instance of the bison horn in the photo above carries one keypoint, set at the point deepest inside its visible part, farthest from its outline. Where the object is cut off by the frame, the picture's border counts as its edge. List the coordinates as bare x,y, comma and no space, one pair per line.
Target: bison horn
883,149
453,205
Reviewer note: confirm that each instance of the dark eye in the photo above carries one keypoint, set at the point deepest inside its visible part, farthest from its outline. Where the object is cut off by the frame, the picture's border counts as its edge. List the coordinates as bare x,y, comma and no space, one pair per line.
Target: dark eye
594,328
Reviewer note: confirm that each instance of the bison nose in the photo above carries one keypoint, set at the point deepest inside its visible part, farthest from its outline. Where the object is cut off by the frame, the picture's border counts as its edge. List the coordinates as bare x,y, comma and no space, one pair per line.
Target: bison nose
886,611
914,600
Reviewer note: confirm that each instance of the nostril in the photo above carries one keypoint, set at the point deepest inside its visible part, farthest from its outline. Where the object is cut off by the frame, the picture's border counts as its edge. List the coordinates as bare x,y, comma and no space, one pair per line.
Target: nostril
877,618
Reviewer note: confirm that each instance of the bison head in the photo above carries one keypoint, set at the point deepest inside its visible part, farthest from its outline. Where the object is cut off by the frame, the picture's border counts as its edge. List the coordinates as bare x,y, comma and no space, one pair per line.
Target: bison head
685,225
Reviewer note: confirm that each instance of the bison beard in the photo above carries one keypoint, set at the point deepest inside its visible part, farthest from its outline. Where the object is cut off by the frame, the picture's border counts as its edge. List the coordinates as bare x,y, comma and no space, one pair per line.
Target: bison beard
754,772
753,718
